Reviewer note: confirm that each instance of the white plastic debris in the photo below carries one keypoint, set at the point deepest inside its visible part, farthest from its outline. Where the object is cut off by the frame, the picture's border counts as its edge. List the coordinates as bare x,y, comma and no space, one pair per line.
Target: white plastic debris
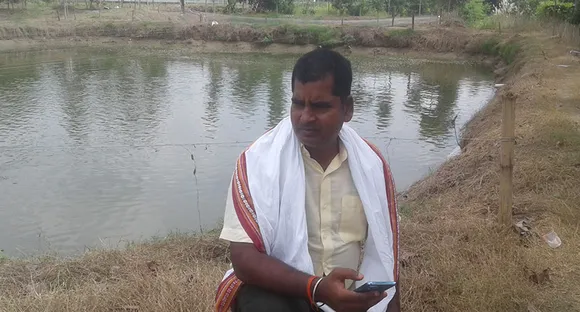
213,23
499,85
524,227
553,240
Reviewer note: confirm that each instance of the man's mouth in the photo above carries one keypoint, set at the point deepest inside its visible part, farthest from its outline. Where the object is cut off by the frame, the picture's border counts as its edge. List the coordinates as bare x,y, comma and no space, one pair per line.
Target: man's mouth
309,131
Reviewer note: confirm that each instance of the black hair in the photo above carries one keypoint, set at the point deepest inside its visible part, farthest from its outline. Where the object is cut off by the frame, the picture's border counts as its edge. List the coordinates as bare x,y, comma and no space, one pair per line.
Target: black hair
318,64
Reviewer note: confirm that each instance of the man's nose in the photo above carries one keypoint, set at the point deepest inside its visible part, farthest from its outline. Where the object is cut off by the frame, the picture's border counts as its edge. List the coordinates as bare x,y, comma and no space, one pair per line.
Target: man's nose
307,114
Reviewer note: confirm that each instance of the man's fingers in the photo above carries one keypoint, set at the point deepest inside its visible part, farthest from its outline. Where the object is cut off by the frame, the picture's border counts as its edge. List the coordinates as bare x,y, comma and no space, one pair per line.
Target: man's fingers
343,274
363,301
369,298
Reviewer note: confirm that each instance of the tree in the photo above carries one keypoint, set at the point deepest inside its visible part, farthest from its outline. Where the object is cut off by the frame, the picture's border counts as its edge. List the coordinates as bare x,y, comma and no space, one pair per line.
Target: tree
395,7
576,15
342,6
474,10
377,5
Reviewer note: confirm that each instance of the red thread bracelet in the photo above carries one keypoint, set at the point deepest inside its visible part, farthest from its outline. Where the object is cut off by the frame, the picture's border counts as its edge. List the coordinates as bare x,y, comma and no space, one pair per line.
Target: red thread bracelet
309,288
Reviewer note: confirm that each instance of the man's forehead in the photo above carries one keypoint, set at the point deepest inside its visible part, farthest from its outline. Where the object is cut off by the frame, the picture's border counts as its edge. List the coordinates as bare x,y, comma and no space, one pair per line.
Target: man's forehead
314,87
320,79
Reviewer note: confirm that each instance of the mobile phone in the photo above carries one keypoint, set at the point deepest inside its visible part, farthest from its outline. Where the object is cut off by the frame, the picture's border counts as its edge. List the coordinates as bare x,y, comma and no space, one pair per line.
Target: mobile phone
375,286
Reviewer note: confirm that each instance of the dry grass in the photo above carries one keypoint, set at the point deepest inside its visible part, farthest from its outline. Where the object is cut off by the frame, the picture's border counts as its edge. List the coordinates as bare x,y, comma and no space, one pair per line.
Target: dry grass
178,273
464,261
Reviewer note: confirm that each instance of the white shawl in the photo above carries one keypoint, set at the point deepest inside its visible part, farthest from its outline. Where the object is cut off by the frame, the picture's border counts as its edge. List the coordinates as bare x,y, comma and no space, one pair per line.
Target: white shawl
275,171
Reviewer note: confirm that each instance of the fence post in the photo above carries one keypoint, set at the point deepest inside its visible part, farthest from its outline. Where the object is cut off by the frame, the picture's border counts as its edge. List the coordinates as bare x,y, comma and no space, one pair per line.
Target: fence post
413,21
507,158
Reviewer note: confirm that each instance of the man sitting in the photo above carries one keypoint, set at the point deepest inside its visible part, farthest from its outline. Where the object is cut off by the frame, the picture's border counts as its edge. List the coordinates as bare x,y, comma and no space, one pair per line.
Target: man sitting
304,200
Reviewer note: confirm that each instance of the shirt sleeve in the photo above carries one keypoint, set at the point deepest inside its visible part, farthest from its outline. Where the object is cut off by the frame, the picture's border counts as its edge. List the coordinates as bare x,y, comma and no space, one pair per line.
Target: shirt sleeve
232,230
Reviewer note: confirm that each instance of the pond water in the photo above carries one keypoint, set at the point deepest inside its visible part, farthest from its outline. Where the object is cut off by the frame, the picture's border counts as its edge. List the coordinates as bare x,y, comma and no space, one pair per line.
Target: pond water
96,145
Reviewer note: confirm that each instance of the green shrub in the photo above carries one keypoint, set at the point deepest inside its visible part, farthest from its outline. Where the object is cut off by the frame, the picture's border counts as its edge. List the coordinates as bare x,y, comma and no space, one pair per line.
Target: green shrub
561,11
313,34
401,33
508,51
575,19
490,46
358,9
474,10
267,40
280,6
489,22
308,11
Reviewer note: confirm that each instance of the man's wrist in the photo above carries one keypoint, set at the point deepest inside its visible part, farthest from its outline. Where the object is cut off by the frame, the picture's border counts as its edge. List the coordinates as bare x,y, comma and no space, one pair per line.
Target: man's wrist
316,290
320,294
310,288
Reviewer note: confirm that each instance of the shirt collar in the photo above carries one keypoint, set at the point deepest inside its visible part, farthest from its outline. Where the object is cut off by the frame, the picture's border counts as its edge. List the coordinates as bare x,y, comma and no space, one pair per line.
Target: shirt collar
342,153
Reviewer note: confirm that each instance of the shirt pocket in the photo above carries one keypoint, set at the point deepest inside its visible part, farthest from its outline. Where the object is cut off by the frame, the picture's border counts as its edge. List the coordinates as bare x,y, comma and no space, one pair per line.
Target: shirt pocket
353,223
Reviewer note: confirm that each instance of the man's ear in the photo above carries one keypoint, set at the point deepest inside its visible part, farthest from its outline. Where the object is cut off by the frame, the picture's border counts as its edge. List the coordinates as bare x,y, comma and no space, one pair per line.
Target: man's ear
348,108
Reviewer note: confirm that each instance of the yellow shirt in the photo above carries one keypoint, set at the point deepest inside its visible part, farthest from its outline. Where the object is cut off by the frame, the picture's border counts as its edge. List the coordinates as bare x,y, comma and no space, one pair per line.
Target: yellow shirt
335,218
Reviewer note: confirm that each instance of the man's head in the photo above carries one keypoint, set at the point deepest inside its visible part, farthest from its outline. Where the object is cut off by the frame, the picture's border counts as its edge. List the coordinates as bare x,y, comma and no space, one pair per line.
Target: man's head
321,100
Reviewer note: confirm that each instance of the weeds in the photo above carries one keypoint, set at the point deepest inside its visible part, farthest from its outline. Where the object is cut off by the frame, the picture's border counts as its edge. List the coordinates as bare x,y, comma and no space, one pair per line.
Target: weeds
507,51
402,33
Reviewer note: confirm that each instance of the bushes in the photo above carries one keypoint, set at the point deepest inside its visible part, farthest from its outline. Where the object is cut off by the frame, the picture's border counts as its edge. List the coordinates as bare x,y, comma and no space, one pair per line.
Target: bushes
561,11
474,10
506,50
575,18
358,9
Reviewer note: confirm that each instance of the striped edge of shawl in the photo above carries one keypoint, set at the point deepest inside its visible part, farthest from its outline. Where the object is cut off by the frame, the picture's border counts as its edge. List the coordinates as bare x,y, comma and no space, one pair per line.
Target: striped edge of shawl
244,207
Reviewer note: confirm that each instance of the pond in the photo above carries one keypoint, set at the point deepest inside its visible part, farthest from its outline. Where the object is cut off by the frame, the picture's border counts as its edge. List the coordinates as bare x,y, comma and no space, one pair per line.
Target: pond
107,146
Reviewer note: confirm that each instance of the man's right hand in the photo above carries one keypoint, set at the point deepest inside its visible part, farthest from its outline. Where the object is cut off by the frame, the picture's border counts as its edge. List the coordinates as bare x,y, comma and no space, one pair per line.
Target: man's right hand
332,292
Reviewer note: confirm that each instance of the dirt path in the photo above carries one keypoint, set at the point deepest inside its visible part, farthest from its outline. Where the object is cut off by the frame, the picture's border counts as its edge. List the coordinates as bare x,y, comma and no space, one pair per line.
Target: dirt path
399,21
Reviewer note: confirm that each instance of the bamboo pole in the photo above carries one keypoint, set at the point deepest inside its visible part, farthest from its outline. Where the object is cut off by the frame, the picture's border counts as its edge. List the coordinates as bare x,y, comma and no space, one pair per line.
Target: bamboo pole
507,158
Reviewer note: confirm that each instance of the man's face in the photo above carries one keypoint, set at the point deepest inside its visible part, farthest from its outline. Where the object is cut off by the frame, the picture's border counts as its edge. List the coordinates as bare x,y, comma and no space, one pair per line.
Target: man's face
317,115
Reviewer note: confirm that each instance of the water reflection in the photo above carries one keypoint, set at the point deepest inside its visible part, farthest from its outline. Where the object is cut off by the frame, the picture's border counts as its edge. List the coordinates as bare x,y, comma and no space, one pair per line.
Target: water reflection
213,90
385,99
276,101
97,145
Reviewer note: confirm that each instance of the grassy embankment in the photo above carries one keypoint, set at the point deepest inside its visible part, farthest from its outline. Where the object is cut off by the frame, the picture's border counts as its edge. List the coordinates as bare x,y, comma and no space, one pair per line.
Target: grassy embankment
455,257
44,26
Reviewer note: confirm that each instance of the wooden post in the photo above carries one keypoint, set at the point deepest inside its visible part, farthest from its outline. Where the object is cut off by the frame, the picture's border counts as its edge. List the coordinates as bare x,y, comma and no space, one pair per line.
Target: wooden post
507,158
413,21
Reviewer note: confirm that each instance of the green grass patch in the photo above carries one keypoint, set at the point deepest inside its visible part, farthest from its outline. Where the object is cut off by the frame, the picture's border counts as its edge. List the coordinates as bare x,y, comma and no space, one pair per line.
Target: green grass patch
487,23
401,33
564,133
405,210
321,35
508,51
489,46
